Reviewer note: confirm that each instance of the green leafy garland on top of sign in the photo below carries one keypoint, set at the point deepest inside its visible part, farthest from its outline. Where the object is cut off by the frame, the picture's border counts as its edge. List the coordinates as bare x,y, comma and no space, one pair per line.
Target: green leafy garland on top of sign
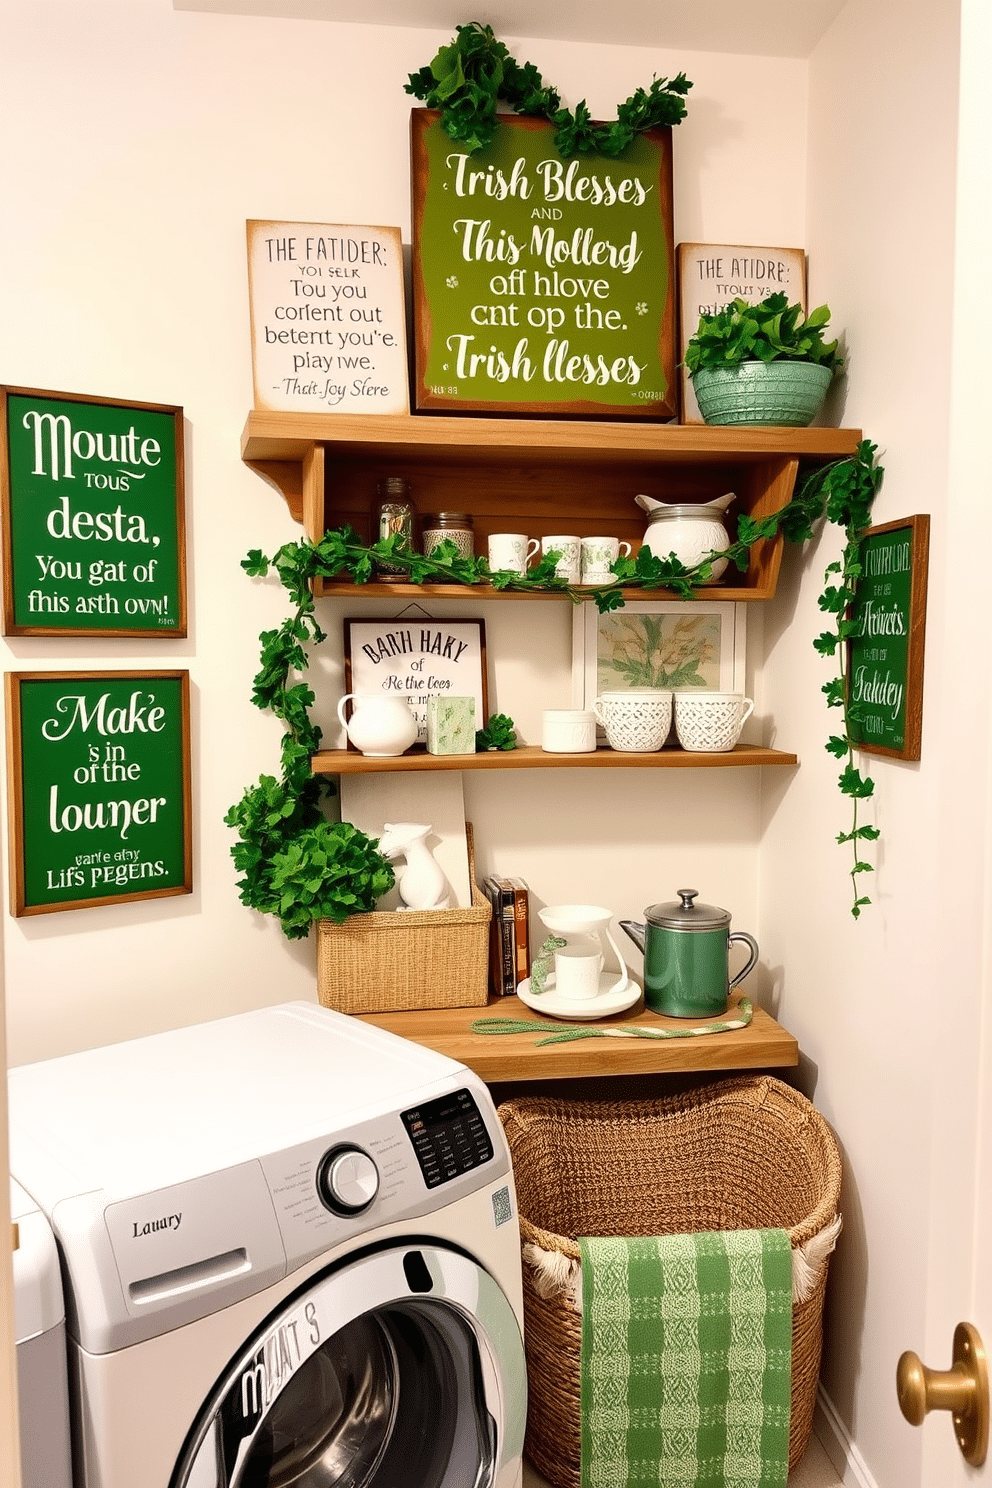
294,864
474,72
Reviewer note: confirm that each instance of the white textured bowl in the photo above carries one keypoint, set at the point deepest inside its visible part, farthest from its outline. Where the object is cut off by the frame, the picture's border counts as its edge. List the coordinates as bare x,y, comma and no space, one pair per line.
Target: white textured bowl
637,721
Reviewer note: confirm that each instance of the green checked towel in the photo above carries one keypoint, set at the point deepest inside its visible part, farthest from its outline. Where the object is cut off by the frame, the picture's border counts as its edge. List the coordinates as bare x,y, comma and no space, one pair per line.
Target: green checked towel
686,1360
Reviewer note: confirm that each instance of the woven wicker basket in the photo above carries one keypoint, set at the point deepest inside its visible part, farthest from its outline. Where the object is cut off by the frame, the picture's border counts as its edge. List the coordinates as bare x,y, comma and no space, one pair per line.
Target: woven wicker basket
742,1153
397,960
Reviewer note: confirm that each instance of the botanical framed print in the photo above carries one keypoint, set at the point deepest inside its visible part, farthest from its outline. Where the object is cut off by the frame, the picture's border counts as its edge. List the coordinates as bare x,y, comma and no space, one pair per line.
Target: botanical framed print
93,516
418,659
98,775
666,643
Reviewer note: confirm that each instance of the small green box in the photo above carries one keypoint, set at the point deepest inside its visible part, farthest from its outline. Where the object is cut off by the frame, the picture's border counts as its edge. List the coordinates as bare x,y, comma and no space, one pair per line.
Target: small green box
450,725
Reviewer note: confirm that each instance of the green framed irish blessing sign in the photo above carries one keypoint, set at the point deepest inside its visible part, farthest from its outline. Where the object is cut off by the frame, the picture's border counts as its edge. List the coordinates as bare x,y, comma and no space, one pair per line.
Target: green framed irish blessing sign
93,516
885,649
542,285
99,788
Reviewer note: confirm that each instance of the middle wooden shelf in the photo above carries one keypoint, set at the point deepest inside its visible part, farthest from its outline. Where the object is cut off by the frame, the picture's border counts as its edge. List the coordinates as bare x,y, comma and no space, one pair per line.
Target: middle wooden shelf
532,757
529,476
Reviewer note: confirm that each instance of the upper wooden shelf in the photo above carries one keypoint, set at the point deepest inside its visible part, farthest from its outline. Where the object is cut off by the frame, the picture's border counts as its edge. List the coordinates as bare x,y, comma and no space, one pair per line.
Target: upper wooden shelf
532,757
280,437
764,1044
532,475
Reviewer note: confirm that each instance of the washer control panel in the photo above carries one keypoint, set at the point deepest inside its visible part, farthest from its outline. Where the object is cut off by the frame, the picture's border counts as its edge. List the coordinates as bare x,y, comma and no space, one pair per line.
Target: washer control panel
449,1136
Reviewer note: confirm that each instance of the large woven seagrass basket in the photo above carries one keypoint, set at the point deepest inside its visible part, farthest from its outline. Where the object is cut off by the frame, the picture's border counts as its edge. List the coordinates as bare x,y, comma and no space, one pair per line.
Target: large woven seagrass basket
747,1152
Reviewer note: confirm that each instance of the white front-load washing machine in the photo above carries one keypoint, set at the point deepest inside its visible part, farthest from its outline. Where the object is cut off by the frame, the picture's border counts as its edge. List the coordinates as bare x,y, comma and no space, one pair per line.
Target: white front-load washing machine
291,1257
39,1336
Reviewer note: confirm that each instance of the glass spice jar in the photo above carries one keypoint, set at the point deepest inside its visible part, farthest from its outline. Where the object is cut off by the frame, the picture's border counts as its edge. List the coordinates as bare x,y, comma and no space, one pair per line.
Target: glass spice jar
454,527
393,513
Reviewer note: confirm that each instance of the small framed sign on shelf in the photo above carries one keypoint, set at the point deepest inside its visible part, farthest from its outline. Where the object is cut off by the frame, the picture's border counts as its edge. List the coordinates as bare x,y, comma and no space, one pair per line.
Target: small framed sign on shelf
93,516
885,652
657,643
713,274
417,659
328,319
542,285
98,775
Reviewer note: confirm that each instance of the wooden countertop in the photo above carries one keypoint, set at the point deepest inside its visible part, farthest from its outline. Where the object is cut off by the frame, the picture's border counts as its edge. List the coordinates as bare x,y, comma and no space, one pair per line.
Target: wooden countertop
512,1057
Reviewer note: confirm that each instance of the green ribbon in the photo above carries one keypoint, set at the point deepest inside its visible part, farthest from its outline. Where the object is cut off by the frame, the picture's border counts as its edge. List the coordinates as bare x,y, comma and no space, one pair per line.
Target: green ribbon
569,1035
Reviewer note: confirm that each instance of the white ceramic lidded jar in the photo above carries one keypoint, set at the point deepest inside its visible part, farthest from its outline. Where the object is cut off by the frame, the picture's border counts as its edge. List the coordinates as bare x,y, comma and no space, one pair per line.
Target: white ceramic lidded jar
380,724
690,531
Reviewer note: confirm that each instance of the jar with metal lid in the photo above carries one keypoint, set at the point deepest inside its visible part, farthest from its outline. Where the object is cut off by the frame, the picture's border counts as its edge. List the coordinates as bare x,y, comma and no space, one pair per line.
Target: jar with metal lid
690,531
393,514
454,527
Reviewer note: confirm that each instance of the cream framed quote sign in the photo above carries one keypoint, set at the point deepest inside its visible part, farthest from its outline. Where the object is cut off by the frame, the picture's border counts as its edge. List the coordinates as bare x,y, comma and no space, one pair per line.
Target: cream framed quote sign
418,659
328,321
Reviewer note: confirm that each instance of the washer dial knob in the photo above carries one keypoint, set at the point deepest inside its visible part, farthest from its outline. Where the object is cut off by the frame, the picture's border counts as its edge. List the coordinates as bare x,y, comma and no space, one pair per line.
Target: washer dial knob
347,1180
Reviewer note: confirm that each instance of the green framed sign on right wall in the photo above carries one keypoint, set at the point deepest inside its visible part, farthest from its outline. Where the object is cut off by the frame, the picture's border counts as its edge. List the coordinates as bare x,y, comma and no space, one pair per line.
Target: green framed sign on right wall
885,651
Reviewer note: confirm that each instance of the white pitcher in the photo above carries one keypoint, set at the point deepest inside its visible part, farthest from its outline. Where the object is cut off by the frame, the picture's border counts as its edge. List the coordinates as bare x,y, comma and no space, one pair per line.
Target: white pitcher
380,723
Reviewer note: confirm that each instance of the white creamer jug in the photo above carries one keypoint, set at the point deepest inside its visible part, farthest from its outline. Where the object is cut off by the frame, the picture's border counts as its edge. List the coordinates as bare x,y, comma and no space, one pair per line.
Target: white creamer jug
690,532
379,724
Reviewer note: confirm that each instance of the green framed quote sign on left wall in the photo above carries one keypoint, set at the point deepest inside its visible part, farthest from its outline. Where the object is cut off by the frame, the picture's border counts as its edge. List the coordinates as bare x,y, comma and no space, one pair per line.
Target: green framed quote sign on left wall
93,516
98,778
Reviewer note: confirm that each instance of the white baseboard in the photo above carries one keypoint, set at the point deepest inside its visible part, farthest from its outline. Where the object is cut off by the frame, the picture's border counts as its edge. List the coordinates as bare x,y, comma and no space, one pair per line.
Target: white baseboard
836,1441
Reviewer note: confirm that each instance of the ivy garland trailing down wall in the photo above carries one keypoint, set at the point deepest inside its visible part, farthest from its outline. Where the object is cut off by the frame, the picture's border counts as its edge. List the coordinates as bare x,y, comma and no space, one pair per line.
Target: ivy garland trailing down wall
297,865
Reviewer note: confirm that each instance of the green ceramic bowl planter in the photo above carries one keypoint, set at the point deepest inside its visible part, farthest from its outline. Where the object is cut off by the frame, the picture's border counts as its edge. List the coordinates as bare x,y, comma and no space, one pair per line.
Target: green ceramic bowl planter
762,364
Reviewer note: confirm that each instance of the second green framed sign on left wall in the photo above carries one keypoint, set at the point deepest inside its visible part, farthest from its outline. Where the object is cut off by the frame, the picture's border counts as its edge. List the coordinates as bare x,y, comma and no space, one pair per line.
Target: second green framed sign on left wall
98,777
93,515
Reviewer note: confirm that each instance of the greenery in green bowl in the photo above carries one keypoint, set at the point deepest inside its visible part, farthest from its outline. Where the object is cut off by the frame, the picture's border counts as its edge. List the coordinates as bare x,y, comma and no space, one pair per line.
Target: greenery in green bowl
770,331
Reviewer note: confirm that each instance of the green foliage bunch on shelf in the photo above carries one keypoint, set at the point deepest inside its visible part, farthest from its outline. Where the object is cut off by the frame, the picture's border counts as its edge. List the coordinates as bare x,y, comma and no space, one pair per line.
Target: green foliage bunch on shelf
770,331
297,865
294,862
475,72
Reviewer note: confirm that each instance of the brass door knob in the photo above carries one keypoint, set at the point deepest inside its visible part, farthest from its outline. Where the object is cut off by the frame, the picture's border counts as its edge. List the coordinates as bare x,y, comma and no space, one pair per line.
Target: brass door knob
963,1390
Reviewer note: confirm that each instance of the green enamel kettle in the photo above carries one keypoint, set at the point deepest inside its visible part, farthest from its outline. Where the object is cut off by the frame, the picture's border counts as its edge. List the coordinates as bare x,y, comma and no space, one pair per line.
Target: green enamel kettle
686,960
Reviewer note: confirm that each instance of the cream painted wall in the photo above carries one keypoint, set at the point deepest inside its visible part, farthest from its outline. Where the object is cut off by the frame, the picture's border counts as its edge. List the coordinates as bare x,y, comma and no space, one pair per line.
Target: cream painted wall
885,1008
145,138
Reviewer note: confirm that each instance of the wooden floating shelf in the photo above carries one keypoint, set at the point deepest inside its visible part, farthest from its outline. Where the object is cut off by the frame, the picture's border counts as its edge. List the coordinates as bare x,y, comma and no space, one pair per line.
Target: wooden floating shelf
764,1044
329,589
521,475
274,436
532,757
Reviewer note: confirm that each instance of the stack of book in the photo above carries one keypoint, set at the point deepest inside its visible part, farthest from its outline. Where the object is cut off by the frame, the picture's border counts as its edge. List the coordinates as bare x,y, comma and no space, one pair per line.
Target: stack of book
509,942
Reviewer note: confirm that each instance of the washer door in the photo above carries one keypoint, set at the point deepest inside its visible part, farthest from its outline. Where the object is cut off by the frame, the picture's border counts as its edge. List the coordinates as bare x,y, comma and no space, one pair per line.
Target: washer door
403,1369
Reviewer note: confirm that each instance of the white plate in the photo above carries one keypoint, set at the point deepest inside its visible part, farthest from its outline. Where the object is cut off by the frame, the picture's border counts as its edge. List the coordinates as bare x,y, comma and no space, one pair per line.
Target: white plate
605,1002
